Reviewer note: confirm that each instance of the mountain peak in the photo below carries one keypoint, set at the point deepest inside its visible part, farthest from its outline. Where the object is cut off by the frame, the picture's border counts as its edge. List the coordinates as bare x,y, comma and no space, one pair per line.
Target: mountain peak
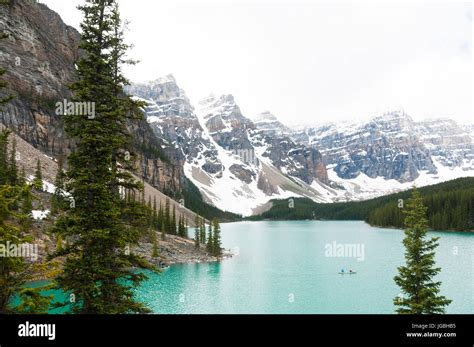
163,80
214,100
265,116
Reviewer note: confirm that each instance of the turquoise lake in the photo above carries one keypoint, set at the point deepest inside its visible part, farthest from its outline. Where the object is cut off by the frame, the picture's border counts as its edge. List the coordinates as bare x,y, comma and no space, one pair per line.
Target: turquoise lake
285,267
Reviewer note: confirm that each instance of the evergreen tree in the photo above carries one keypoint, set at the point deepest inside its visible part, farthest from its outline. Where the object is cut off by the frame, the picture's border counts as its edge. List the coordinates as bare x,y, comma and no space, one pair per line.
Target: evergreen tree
4,168
197,237
161,222
58,202
155,215
98,269
210,240
26,217
22,177
156,251
59,243
13,169
216,240
202,231
182,232
185,226
15,271
173,221
167,217
420,291
38,180
12,269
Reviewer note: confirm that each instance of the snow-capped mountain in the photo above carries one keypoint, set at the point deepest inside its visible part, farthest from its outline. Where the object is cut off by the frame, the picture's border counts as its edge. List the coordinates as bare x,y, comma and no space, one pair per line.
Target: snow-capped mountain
236,166
270,125
391,153
240,164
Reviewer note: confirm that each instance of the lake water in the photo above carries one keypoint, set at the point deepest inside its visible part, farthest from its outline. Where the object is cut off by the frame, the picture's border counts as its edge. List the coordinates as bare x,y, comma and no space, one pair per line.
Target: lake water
285,267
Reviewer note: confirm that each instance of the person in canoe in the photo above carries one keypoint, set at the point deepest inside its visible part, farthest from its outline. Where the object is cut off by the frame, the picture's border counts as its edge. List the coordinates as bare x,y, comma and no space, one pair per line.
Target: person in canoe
342,271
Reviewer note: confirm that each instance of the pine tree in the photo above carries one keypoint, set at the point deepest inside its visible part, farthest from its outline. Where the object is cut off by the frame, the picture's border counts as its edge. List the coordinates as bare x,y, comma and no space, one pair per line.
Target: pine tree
202,231
58,200
216,240
15,272
156,251
22,177
420,293
210,240
4,168
167,217
197,231
98,269
173,221
59,243
26,216
161,222
12,269
155,223
38,180
13,169
185,226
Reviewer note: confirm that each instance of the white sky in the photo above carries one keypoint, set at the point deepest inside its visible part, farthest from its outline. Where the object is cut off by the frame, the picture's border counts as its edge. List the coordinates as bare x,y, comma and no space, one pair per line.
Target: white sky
307,63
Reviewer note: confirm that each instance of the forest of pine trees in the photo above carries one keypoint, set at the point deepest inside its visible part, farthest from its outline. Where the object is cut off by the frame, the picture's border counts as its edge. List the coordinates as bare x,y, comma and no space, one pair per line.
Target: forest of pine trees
450,207
16,197
212,240
447,210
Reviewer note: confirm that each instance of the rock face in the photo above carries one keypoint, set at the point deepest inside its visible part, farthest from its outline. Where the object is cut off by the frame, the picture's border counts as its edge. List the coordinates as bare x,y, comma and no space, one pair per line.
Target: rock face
236,165
172,119
40,55
388,146
451,144
267,123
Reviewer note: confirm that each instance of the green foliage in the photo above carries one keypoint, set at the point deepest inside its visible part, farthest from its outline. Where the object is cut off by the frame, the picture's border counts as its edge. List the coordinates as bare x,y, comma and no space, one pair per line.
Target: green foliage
210,239
13,270
33,302
420,293
38,180
216,238
58,200
182,227
15,220
173,229
102,225
197,222
202,231
8,168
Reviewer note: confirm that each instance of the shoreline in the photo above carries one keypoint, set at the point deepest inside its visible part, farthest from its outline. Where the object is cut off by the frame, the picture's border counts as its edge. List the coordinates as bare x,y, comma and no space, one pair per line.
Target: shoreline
174,250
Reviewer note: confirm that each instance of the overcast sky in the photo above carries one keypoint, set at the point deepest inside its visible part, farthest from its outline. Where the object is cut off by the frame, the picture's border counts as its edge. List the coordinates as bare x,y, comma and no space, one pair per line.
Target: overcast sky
309,62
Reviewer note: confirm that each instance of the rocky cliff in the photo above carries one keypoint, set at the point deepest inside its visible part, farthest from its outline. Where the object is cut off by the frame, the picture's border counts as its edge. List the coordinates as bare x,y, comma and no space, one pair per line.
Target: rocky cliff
40,54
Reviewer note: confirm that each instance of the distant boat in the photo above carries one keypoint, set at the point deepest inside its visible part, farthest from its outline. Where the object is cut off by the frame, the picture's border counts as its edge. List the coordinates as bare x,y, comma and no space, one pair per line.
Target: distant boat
347,273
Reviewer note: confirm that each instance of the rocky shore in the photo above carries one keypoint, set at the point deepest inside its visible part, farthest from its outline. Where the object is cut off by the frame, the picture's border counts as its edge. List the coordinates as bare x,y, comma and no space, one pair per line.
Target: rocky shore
177,250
